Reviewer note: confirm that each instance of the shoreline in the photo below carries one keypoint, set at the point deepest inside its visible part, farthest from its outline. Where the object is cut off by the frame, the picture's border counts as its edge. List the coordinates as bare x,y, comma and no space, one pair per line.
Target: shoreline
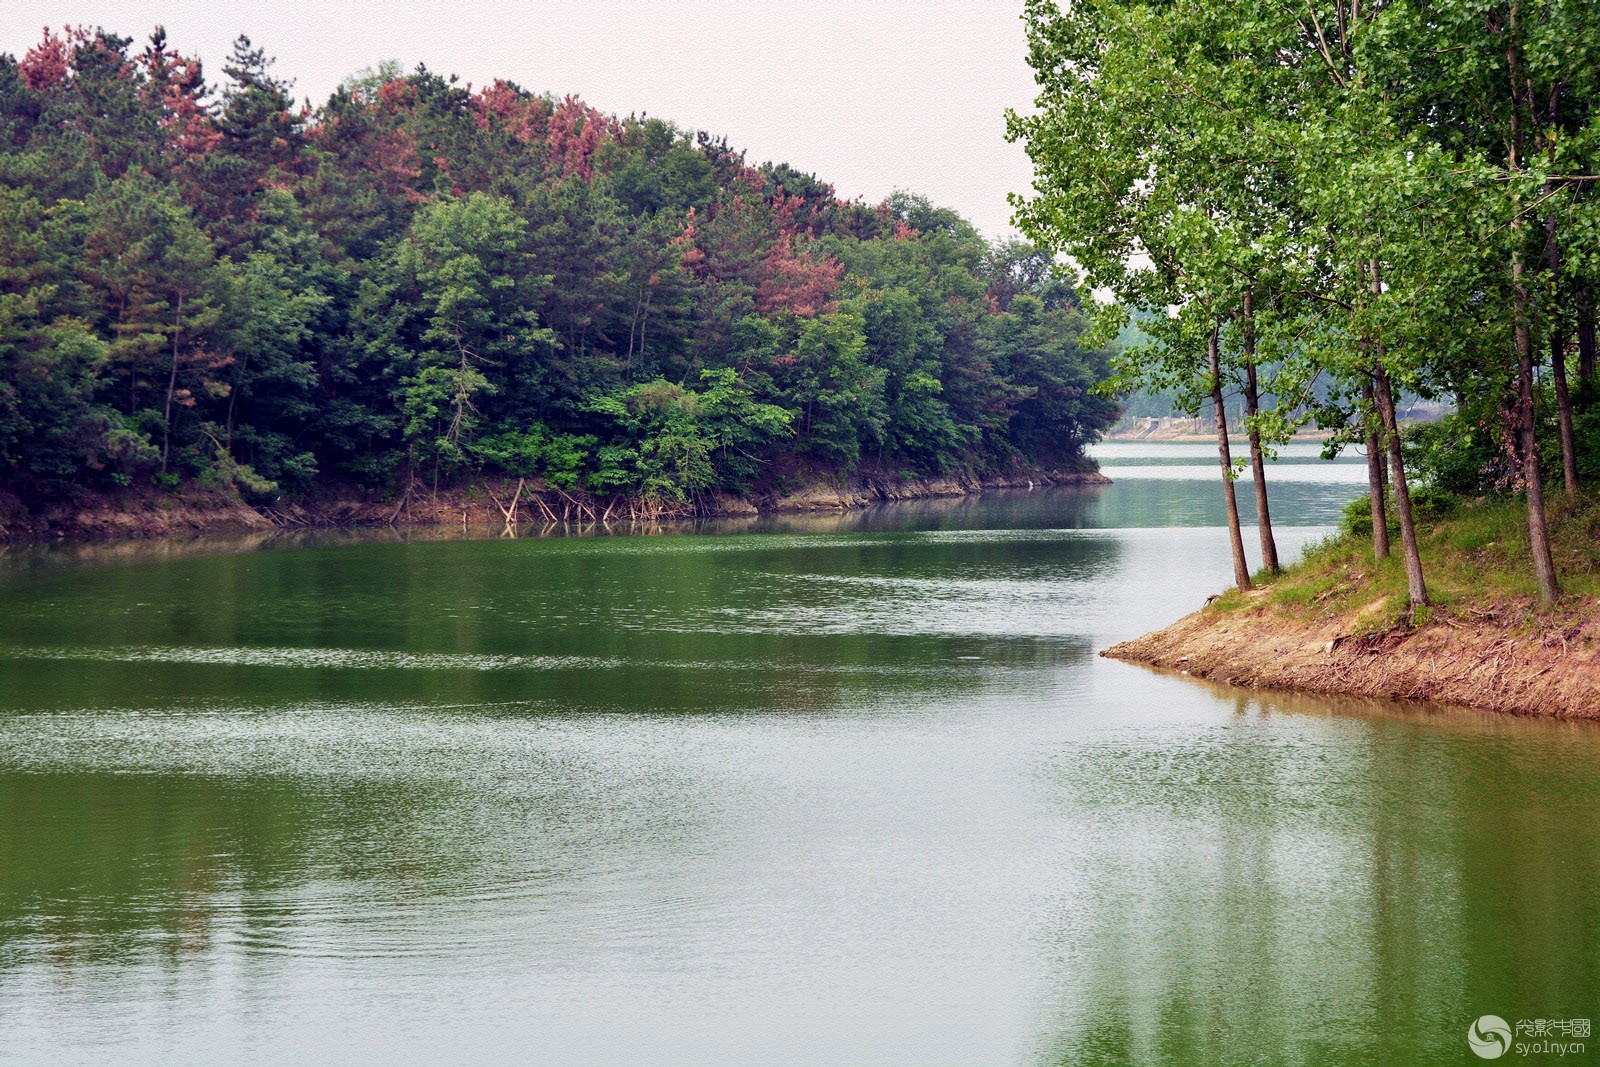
1184,435
1487,660
489,503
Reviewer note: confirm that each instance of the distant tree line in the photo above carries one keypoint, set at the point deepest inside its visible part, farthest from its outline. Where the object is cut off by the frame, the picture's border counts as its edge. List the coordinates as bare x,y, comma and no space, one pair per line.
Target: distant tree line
1353,196
418,281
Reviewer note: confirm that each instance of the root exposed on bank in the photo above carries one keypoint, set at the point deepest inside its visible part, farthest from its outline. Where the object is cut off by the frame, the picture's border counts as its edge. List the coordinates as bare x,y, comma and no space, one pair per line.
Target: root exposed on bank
145,512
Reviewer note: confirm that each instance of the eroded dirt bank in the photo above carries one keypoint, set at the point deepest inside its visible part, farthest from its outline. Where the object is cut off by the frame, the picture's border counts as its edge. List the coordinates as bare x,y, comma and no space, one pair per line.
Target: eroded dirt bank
1492,659
148,513
869,489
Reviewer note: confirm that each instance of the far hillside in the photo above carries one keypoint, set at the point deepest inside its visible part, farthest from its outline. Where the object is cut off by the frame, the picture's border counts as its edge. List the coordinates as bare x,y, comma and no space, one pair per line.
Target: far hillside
421,283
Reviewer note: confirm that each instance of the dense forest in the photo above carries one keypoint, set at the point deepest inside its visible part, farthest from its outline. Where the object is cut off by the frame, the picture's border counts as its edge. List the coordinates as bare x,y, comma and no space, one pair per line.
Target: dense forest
1315,210
421,282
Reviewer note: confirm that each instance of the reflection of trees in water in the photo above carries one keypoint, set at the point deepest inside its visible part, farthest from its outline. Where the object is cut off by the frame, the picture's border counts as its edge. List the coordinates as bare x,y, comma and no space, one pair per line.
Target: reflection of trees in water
1291,889
1134,502
266,785
105,866
607,624
381,849
994,509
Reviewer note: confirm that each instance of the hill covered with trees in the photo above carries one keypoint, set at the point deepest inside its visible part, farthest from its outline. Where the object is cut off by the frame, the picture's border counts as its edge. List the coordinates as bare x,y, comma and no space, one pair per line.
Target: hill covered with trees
420,283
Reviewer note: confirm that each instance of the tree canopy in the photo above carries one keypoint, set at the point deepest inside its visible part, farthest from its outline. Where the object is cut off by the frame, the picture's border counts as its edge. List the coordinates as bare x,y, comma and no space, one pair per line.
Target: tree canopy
1375,196
422,279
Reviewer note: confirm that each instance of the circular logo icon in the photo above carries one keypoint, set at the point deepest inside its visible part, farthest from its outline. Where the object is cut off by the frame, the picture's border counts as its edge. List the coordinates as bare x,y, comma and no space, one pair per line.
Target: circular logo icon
1489,1036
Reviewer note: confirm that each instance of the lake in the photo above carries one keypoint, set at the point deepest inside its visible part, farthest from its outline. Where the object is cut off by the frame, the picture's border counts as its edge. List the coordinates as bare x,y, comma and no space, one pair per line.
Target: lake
810,790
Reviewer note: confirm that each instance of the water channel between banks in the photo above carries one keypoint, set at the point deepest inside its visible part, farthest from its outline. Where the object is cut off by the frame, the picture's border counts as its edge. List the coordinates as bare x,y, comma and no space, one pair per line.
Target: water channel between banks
833,789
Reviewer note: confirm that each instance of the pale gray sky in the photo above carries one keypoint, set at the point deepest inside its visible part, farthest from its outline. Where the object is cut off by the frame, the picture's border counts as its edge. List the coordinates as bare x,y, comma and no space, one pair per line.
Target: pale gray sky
871,95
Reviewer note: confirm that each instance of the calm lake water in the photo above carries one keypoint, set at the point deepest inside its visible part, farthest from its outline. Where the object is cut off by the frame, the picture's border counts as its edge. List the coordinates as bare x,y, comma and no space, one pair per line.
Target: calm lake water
824,791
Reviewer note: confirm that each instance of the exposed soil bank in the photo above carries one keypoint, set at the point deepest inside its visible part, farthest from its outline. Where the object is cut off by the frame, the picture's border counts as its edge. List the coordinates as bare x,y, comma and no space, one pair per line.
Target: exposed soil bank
1489,659
128,514
147,512
869,489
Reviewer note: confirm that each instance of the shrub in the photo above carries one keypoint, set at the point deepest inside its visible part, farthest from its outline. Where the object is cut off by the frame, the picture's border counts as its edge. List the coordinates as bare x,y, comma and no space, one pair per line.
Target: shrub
1456,454
1429,503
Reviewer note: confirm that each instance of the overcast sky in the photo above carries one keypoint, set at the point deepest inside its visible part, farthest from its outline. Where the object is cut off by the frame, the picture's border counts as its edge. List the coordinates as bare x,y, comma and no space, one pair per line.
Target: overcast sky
871,95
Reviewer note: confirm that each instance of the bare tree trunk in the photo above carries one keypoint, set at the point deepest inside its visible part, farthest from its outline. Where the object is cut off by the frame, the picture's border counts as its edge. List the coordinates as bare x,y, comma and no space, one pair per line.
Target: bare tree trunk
1586,344
644,322
1241,567
633,326
1544,568
405,497
1375,480
1384,395
172,388
1258,465
233,395
1258,469
1558,373
1558,363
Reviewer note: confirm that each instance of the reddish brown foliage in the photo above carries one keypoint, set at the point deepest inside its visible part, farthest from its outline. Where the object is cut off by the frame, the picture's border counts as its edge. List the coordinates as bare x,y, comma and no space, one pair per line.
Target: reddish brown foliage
176,85
792,281
393,162
576,130
526,117
693,257
397,94
49,62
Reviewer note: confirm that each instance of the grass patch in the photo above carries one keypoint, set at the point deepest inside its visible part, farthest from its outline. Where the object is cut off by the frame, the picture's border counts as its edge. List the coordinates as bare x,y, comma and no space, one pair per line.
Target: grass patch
1475,559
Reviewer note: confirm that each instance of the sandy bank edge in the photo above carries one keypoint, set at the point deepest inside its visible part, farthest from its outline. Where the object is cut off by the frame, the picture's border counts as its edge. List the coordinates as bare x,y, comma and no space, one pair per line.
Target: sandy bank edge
1495,664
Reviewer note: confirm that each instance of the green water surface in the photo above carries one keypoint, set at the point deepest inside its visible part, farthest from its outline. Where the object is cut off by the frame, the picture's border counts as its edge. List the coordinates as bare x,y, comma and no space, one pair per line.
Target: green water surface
805,791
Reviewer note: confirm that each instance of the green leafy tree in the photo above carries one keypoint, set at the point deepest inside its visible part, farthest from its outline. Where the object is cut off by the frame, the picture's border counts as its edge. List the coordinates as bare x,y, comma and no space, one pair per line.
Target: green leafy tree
469,281
418,276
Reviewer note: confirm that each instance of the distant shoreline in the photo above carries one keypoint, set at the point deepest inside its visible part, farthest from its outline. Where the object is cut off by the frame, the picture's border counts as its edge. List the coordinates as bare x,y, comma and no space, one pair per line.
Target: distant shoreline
487,503
1176,435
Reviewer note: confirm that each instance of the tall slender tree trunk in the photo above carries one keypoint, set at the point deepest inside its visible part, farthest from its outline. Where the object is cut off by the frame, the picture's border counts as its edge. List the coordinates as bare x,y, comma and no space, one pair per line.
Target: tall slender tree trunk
644,323
633,327
233,394
1384,395
172,389
1375,481
1258,465
1558,366
1586,346
1241,567
1558,373
1544,568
